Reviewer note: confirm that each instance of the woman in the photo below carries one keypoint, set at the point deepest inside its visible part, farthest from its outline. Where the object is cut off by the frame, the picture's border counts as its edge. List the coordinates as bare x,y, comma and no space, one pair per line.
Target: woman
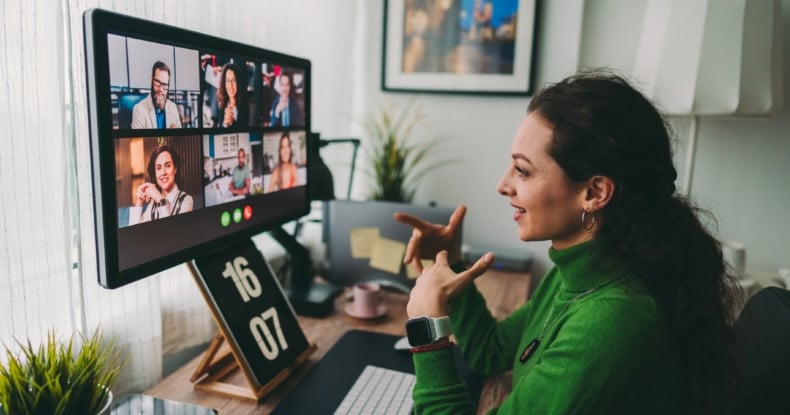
284,175
633,318
160,196
232,98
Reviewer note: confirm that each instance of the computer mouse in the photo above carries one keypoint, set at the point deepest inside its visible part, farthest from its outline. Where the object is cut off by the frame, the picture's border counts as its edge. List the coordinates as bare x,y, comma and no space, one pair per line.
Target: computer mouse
402,344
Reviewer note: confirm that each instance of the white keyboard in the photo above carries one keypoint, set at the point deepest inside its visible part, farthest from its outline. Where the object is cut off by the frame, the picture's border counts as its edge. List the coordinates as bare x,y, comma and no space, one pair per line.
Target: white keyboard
379,391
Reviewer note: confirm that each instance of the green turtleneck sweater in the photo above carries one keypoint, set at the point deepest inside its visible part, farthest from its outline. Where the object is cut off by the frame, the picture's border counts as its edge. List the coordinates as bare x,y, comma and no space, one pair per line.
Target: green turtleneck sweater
608,351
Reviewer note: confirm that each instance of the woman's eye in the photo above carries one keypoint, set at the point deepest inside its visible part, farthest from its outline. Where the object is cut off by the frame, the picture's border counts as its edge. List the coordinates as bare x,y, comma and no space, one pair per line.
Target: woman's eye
521,172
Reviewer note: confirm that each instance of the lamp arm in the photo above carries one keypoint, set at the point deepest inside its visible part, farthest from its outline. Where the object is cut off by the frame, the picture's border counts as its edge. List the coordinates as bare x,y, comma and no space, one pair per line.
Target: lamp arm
353,166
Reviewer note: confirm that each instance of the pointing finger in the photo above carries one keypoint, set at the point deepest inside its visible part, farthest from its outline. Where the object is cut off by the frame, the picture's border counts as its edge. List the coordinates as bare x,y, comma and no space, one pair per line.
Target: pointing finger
457,217
478,268
413,248
412,221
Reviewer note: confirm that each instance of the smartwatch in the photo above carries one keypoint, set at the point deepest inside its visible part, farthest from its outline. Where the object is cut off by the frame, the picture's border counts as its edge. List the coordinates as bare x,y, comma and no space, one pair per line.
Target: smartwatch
423,331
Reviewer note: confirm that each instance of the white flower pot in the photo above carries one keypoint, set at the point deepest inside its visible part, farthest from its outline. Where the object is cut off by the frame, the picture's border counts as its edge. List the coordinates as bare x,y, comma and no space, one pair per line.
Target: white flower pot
104,411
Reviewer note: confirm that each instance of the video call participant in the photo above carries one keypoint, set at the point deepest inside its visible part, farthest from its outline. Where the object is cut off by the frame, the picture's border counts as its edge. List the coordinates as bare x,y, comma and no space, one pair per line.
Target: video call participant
156,110
284,174
240,183
285,109
232,97
634,316
210,70
160,196
267,96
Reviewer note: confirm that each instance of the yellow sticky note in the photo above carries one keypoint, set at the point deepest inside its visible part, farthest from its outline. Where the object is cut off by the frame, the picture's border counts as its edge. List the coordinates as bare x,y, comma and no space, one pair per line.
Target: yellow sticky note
387,255
362,241
411,271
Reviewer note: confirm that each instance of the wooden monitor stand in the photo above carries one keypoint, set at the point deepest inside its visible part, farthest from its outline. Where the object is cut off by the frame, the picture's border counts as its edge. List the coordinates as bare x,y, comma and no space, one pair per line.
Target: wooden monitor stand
218,363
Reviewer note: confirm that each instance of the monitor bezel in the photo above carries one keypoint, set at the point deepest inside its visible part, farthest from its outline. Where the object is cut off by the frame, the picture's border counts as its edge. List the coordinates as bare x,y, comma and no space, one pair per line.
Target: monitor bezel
97,24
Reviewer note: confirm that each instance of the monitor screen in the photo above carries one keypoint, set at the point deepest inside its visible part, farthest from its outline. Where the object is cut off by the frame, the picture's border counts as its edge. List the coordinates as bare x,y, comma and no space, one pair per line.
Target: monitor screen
196,142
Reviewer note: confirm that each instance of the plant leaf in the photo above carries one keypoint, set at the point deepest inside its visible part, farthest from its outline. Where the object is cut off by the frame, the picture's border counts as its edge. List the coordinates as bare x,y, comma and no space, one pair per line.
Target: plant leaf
396,163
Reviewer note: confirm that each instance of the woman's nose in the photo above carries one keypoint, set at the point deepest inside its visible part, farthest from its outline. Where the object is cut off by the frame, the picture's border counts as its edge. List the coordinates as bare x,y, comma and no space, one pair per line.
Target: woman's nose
503,187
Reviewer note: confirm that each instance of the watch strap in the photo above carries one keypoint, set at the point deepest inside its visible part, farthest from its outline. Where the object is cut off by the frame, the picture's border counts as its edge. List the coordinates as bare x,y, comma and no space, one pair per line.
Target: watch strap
431,347
442,327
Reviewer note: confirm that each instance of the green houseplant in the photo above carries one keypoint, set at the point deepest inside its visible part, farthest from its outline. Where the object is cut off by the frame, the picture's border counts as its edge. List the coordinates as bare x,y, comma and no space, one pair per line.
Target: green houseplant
59,377
397,161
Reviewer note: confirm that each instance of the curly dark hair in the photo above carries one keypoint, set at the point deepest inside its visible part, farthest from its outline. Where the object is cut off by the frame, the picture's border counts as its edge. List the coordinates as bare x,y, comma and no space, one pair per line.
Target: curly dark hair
241,85
603,126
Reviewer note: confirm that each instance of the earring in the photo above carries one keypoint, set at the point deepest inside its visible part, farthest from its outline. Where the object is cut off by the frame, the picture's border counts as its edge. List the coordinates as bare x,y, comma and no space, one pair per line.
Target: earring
586,226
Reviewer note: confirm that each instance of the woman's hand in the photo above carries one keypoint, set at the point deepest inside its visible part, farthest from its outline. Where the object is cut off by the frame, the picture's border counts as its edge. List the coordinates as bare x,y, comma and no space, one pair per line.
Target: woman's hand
141,196
427,239
438,284
147,192
228,119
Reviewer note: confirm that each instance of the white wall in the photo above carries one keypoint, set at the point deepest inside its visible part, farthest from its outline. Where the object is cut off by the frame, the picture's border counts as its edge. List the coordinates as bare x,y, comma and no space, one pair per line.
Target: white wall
740,175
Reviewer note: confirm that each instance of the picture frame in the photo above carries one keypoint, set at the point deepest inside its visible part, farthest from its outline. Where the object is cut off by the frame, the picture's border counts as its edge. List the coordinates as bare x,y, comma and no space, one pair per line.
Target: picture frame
459,46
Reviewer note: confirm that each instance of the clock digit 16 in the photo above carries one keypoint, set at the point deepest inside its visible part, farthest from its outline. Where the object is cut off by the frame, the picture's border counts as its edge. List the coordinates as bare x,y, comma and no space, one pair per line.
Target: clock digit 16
244,278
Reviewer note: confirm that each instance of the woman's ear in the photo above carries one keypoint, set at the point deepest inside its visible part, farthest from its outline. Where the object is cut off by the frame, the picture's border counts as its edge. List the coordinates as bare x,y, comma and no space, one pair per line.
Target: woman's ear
597,193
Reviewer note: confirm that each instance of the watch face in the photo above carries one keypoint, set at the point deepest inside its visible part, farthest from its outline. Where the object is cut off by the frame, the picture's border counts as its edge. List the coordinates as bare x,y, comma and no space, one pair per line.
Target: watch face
419,332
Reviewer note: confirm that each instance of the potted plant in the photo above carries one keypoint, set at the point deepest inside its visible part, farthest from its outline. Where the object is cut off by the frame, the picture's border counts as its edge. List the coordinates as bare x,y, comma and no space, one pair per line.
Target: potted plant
55,378
397,161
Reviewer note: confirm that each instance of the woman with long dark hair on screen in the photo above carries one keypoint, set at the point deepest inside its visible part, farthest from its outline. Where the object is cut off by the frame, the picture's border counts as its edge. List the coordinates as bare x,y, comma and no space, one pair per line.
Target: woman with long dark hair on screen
634,316
232,97
284,175
160,196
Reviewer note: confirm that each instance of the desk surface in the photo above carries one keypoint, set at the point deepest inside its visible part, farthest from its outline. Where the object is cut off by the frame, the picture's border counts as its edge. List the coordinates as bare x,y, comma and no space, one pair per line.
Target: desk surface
503,291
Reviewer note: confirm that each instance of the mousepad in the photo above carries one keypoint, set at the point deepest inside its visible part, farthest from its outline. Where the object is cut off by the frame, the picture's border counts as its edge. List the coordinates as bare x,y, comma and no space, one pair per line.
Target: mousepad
322,390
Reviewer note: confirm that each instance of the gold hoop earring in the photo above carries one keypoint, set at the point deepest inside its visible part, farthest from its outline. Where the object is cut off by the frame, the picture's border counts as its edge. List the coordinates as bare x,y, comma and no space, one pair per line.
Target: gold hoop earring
586,226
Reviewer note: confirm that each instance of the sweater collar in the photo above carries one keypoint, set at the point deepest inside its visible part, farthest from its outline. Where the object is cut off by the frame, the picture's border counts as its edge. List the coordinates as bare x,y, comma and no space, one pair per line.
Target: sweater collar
581,267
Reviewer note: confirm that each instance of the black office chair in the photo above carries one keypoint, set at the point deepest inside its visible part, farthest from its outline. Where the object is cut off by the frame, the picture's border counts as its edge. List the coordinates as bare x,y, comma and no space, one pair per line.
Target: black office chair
762,335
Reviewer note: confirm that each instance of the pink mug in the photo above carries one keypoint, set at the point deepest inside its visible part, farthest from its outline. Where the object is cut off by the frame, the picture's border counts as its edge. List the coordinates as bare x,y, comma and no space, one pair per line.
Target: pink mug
368,300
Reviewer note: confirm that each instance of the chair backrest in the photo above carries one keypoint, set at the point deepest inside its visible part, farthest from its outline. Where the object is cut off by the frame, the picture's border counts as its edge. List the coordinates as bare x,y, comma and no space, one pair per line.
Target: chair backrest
126,104
762,335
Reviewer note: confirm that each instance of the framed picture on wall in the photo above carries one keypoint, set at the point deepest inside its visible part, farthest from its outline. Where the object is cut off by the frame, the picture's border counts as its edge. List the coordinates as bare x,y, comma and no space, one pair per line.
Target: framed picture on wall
459,46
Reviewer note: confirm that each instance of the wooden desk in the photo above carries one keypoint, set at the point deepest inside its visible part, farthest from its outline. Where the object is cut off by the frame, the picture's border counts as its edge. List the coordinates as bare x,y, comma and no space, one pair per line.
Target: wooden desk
503,291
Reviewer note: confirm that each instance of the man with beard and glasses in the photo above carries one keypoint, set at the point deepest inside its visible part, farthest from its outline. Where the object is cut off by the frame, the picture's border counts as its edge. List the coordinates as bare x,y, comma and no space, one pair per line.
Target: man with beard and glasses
155,110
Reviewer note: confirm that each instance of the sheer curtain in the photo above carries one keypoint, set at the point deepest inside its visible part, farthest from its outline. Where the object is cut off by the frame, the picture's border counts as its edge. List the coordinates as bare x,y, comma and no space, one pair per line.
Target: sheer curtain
35,257
47,249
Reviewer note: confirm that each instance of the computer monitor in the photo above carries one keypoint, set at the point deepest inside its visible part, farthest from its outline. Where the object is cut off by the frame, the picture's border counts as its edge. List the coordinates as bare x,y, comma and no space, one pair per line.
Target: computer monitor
196,142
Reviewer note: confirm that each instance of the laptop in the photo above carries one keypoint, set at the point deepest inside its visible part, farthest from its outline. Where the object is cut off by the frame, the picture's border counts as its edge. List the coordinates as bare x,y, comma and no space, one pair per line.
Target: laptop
341,217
